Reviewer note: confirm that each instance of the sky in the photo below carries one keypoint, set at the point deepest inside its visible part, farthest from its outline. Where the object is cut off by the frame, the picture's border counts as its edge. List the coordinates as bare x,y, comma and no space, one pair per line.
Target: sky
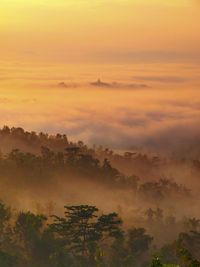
97,30
145,53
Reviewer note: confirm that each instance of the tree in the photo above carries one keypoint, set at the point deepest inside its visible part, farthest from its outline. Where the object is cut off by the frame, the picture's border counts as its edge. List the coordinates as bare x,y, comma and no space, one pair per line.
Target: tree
82,229
192,224
7,260
169,254
109,173
28,230
5,214
188,245
150,213
185,255
159,214
138,241
156,262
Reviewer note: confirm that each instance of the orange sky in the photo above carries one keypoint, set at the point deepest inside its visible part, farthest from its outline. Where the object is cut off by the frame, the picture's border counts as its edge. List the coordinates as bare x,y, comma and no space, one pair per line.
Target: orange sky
96,30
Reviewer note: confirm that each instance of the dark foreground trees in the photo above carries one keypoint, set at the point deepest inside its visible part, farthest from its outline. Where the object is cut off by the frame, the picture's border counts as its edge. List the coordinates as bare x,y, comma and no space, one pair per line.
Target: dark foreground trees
82,231
85,237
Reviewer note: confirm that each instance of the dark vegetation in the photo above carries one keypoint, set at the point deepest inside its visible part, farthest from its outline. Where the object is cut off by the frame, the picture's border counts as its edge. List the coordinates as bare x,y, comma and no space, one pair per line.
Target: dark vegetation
84,237
146,206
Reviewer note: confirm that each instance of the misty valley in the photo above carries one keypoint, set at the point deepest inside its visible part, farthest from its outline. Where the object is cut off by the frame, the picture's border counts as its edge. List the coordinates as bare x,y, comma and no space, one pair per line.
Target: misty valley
66,204
99,133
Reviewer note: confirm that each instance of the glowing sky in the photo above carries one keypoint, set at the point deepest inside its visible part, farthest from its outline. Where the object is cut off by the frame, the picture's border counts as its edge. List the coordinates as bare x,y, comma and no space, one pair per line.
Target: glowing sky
93,30
147,51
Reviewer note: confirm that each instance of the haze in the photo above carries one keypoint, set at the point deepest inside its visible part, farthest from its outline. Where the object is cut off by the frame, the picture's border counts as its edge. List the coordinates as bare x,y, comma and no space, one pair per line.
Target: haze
146,52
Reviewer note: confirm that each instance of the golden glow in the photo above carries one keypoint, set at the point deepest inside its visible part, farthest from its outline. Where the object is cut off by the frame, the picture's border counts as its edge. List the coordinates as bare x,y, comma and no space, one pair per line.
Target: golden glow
45,42
62,29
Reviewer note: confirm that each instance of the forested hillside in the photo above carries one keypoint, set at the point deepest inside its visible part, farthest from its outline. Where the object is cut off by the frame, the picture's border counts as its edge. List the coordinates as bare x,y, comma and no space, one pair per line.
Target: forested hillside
110,218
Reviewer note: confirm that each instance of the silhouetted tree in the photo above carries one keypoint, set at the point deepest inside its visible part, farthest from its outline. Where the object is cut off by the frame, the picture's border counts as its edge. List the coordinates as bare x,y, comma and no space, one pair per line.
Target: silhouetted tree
82,229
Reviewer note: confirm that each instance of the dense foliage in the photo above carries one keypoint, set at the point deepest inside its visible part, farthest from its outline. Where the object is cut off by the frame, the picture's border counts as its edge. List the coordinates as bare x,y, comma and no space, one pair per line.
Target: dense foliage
83,237
86,235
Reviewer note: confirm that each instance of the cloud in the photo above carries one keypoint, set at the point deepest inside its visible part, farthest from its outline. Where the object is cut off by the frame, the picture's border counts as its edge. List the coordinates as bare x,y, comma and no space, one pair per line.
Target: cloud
160,131
161,79
4,78
67,85
4,100
101,84
63,84
146,57
113,118
155,131
116,85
